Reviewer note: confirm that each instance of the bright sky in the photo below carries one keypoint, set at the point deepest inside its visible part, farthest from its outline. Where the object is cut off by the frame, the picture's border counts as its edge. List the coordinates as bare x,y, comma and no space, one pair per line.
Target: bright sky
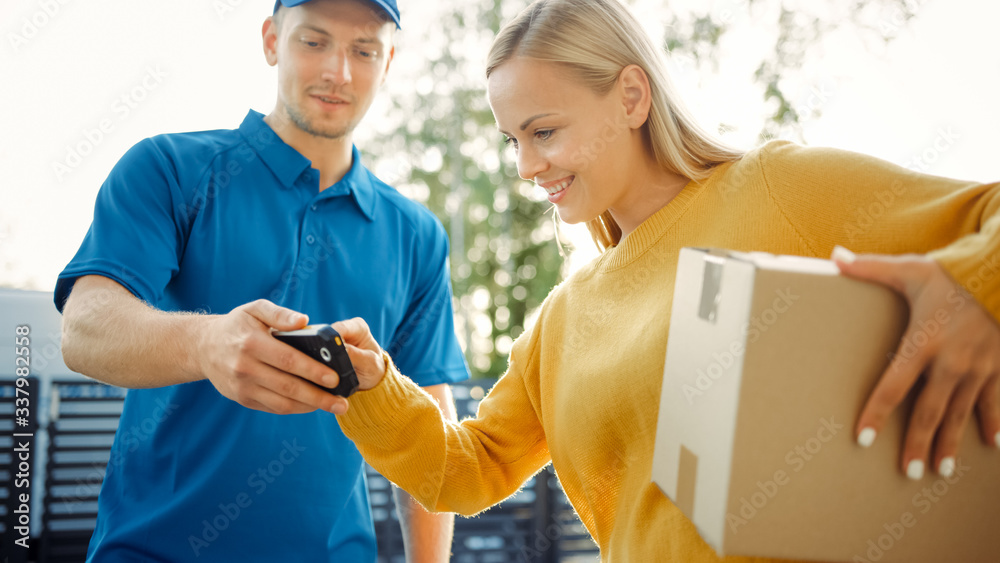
136,69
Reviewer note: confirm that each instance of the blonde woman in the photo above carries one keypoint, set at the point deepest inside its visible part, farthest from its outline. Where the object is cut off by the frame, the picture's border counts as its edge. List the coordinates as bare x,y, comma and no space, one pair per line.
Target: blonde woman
581,93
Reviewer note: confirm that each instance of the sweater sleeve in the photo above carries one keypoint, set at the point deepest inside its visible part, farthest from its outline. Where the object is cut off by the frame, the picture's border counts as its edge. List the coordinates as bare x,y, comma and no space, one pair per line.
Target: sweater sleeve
832,196
447,466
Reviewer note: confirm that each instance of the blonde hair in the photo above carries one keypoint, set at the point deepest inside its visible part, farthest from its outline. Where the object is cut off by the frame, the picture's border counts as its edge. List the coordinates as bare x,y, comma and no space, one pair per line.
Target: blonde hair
595,40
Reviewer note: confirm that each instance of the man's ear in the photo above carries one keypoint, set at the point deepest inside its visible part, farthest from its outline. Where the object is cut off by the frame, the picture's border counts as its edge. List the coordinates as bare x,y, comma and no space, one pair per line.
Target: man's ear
269,34
388,63
636,95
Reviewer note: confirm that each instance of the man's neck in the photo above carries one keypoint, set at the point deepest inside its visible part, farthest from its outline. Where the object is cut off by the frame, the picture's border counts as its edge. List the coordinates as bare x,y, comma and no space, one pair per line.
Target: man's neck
332,157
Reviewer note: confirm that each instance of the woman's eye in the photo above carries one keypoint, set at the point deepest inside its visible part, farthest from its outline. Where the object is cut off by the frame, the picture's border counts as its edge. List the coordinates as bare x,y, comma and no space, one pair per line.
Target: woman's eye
509,141
544,134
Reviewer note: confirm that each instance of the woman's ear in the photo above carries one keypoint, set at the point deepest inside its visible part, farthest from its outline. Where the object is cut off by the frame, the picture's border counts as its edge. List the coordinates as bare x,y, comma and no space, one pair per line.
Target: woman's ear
636,95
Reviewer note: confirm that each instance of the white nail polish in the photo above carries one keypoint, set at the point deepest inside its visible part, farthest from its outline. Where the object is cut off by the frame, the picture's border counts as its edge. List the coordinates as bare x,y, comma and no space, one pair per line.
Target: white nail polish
915,470
866,437
843,254
947,467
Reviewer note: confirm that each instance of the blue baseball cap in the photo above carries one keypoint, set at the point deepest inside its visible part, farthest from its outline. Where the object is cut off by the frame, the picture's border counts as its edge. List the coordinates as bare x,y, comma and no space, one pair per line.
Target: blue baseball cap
388,6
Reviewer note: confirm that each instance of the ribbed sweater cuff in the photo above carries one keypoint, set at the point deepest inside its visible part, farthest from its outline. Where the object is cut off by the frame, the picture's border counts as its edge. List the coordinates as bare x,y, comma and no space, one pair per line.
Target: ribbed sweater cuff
377,416
979,275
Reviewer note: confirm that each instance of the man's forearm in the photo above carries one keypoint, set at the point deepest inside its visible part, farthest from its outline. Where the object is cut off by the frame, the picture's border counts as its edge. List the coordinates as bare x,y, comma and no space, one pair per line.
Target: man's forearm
427,536
113,337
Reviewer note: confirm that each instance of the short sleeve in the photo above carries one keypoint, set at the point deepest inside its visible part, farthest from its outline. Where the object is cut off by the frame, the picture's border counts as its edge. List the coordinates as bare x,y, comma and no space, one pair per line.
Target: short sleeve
424,345
138,231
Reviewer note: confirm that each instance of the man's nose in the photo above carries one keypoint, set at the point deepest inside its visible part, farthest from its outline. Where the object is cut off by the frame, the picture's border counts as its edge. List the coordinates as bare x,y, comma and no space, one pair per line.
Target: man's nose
337,68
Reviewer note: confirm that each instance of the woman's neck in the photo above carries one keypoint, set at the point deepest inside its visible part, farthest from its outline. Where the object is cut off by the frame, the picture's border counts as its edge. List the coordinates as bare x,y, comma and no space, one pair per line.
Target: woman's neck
650,189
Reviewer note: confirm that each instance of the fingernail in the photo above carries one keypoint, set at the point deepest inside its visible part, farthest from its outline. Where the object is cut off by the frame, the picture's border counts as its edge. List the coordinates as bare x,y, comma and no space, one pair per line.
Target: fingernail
844,255
330,380
947,467
996,439
915,470
867,437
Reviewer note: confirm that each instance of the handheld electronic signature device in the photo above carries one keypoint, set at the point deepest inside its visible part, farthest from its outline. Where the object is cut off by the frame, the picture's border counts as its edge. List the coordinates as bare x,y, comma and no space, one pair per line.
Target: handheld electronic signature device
325,345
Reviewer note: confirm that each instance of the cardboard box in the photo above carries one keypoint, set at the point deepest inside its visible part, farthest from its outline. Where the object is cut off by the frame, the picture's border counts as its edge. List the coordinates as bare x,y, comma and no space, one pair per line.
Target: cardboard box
769,362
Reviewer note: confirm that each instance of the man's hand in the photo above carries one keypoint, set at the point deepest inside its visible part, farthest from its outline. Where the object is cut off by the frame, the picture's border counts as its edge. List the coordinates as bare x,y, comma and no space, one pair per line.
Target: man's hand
111,336
248,365
952,341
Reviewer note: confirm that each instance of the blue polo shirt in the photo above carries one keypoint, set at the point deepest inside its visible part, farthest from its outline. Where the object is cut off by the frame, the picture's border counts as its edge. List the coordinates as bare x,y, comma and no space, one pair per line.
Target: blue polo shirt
212,220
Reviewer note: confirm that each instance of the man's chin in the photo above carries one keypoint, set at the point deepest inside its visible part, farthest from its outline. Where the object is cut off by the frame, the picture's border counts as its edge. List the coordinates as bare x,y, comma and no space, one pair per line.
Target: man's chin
317,128
334,134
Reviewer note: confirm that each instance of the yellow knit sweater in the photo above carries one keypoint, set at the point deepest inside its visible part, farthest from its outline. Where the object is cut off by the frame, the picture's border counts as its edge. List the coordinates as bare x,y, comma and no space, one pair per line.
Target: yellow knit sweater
583,384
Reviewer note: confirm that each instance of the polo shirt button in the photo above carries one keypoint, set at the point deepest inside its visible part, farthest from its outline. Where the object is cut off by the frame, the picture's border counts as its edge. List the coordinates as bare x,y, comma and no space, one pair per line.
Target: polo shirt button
310,239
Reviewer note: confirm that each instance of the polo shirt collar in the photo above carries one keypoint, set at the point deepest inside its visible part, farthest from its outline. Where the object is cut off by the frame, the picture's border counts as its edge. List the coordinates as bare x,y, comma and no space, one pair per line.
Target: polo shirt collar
288,164
358,183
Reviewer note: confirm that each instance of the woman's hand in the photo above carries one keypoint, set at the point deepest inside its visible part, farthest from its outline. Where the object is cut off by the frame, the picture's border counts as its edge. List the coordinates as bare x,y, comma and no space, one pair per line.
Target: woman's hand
365,353
952,341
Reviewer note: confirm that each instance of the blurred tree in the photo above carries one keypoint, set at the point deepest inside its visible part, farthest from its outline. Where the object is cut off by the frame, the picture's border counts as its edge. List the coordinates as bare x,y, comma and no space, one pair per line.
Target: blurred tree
797,28
440,145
